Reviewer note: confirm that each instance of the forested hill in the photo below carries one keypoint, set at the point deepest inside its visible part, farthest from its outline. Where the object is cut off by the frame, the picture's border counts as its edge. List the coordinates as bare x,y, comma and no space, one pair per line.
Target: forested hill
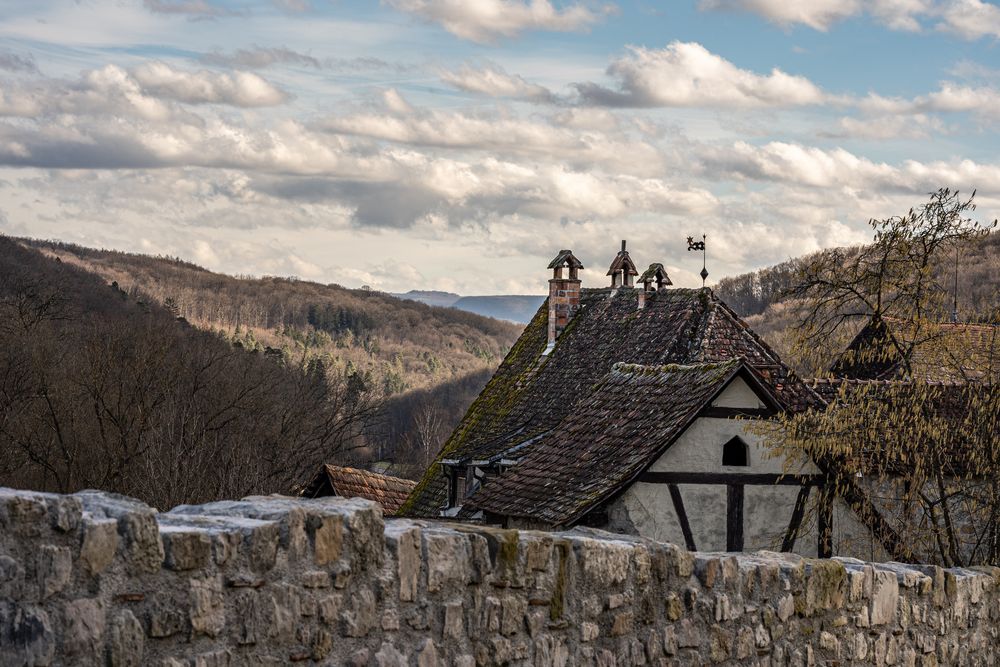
757,295
105,390
394,344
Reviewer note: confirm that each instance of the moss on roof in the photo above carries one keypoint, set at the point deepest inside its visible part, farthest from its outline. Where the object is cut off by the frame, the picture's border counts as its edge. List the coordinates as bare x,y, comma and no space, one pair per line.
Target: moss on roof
531,394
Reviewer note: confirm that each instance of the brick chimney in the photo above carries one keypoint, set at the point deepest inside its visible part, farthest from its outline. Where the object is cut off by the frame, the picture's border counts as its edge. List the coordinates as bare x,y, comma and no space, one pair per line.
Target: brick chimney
564,293
622,269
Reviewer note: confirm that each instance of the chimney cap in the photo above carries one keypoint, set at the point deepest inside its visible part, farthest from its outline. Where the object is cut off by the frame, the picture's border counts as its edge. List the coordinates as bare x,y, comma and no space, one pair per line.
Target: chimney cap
656,273
566,258
623,261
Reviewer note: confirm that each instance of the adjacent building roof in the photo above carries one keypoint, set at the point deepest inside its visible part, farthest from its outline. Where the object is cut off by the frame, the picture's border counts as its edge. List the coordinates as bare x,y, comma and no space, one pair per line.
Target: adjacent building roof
331,480
530,394
631,417
944,352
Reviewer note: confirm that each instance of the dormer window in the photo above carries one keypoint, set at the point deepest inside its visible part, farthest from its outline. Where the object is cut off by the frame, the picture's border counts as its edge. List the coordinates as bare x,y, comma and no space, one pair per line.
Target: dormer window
736,453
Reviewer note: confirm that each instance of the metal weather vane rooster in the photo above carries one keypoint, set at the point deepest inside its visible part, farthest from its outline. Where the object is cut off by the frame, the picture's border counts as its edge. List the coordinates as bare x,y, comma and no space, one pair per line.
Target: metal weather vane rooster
699,245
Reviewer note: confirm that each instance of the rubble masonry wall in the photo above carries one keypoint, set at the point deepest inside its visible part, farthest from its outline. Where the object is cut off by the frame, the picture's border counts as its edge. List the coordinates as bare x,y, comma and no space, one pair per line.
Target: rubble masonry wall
97,579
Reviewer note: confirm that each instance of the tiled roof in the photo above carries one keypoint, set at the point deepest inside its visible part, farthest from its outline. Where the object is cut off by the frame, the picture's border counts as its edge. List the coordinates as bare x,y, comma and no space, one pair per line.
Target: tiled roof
531,394
632,416
389,492
947,352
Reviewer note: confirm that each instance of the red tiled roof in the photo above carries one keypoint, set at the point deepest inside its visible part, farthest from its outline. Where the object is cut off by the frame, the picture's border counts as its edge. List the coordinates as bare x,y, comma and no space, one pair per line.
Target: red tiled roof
531,393
942,352
633,415
389,492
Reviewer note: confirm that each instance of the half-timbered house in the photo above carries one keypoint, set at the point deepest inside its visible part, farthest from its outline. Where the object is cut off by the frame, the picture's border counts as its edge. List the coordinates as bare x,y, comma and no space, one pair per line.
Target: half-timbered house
625,408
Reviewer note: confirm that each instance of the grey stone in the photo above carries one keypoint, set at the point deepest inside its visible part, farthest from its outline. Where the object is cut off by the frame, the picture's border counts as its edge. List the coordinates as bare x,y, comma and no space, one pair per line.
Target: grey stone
427,656
165,621
207,612
186,550
55,567
26,634
127,641
100,542
83,629
359,619
885,596
389,656
454,620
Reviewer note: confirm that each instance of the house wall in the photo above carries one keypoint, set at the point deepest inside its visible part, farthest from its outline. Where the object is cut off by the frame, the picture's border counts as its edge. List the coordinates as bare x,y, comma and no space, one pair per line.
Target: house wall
97,579
647,509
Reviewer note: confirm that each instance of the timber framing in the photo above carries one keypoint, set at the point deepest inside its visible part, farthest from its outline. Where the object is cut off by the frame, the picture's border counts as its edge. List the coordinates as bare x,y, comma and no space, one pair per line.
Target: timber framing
742,478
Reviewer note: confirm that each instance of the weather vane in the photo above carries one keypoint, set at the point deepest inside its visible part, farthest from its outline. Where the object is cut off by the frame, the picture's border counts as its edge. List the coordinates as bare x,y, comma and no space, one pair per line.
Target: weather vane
699,245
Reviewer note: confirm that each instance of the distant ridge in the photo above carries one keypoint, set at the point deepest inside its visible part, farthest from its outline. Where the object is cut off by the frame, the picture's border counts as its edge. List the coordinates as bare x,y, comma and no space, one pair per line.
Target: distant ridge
511,307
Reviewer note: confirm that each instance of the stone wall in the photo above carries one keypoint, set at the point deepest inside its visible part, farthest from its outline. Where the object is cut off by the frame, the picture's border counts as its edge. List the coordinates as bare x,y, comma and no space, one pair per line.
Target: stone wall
99,579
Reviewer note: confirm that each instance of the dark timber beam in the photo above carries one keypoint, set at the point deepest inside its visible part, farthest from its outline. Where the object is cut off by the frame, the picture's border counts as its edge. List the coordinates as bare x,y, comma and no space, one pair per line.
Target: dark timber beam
730,413
753,479
734,517
682,517
798,512
824,546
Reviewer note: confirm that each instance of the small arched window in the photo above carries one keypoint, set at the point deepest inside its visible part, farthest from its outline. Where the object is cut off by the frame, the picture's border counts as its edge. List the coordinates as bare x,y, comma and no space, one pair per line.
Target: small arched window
735,453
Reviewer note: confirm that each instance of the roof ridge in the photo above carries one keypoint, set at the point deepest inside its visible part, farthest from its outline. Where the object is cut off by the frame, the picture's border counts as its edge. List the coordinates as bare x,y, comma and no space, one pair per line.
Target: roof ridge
625,367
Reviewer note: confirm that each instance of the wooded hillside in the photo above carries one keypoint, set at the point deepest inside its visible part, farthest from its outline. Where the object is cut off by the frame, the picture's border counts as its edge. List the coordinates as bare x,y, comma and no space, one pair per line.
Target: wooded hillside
103,389
758,296
423,364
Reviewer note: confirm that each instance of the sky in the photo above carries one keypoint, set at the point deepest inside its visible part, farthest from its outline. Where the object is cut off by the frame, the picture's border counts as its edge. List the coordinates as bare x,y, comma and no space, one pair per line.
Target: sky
458,145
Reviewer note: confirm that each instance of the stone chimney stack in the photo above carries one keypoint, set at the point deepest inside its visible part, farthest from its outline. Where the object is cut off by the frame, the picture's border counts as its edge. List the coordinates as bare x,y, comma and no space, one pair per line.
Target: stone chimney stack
622,269
564,293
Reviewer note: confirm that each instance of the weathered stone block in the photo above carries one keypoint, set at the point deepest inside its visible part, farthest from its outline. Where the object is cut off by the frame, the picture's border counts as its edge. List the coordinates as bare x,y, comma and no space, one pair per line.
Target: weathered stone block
207,611
54,568
11,578
885,596
100,543
328,540
165,621
186,550
83,629
26,635
359,618
389,656
447,560
127,641
453,626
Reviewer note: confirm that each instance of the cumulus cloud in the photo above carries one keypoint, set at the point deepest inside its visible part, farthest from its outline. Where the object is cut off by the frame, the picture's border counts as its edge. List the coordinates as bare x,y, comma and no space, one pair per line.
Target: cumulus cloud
881,128
13,62
493,80
971,19
241,89
686,74
949,98
152,91
487,21
795,164
968,19
818,14
503,134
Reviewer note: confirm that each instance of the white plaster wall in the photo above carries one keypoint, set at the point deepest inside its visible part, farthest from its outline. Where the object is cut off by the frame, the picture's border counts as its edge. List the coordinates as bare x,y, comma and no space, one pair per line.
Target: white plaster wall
737,395
647,509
